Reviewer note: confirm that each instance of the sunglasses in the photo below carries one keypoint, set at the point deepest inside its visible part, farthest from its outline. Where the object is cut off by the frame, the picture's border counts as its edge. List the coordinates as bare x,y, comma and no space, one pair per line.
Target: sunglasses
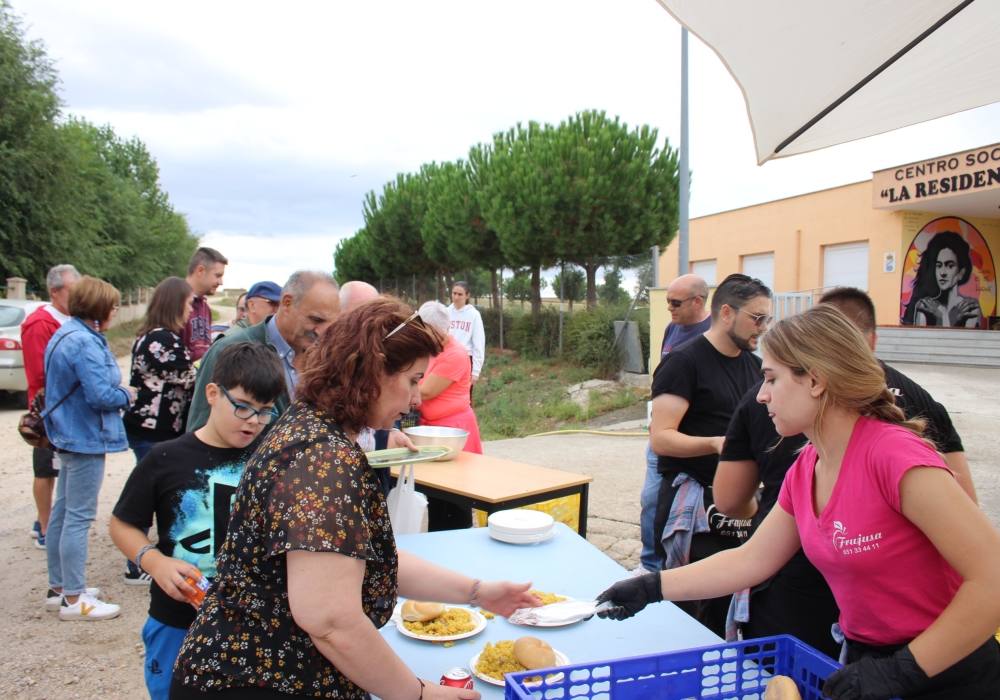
678,303
759,320
415,316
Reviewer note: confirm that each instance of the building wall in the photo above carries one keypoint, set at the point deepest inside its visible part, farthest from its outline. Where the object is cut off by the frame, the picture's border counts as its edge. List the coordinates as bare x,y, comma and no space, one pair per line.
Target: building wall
796,229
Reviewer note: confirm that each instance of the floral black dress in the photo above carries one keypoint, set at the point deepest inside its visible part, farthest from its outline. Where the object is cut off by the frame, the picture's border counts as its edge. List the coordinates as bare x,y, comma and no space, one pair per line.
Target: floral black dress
163,375
307,487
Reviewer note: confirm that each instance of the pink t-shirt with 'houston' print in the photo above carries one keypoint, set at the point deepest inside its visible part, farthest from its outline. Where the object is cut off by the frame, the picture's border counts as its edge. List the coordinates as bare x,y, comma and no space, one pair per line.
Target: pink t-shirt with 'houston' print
888,578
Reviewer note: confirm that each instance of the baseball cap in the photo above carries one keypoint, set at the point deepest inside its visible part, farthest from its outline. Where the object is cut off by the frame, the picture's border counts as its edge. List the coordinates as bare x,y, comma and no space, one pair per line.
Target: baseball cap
266,290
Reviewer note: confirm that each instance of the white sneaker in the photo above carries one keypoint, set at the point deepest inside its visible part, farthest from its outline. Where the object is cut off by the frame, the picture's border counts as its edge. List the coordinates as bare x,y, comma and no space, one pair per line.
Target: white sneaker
53,599
88,608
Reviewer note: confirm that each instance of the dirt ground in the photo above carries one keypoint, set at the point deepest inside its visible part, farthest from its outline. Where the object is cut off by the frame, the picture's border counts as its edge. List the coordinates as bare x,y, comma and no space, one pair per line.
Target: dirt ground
46,658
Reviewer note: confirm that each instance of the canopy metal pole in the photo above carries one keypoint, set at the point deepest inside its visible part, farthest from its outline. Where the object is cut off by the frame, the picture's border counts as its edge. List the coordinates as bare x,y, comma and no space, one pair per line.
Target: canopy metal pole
685,181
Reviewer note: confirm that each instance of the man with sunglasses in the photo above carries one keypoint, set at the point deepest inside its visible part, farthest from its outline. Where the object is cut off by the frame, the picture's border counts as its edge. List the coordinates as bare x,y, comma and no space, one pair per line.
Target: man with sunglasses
310,301
696,389
687,301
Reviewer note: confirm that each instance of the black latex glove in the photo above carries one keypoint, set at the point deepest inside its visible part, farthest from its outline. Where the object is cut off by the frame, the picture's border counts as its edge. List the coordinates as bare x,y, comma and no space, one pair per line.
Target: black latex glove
631,595
876,679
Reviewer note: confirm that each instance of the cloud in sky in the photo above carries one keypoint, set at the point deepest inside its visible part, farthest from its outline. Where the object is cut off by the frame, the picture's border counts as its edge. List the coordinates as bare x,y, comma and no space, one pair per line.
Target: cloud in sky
271,121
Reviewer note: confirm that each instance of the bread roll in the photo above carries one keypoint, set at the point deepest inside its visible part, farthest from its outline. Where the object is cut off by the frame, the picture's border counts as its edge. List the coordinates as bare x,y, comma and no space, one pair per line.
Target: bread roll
782,688
533,653
416,611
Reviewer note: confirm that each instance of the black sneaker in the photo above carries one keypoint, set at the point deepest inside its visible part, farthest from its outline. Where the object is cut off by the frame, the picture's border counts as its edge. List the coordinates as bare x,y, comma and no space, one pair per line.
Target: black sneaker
135,576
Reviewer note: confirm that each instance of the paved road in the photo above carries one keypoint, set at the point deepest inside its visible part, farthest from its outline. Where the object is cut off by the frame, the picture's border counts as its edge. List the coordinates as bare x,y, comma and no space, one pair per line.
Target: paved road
617,463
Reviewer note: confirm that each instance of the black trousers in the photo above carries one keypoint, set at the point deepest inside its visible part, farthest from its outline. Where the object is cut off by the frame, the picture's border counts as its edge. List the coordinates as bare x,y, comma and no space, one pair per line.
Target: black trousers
976,677
712,611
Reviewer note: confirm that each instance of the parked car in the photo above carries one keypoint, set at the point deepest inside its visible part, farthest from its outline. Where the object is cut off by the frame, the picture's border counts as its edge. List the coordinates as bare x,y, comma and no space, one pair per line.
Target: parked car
12,314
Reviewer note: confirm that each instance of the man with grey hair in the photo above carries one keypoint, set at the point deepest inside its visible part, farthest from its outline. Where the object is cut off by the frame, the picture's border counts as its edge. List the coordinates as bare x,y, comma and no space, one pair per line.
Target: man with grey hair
36,330
355,293
310,301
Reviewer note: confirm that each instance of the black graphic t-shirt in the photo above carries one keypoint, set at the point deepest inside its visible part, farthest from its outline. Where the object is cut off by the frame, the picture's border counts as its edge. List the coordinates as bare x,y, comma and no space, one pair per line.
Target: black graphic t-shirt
712,384
189,486
308,487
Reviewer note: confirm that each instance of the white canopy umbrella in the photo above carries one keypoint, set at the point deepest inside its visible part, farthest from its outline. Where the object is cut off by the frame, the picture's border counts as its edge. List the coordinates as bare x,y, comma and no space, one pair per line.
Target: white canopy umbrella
815,73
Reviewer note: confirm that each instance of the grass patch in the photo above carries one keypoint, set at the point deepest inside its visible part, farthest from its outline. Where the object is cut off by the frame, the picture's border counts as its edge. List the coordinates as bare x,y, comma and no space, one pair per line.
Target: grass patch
516,397
121,336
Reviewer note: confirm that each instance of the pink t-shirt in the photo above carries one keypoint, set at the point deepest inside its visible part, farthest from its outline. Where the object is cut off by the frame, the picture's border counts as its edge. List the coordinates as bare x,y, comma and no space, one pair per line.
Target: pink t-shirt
888,578
452,363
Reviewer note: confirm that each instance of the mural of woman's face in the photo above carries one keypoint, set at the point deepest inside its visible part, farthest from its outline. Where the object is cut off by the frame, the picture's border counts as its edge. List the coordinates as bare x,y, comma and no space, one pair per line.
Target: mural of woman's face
946,269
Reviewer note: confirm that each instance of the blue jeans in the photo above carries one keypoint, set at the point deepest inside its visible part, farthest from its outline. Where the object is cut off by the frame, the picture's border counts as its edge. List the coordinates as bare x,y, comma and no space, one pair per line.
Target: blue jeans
647,501
162,643
73,511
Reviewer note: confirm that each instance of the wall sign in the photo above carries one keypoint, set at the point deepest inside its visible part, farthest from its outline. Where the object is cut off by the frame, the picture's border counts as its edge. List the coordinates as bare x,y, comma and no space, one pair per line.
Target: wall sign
971,171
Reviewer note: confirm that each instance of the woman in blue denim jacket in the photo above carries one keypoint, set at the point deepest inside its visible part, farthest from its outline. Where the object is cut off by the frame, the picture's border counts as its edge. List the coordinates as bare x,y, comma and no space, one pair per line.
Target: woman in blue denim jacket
84,400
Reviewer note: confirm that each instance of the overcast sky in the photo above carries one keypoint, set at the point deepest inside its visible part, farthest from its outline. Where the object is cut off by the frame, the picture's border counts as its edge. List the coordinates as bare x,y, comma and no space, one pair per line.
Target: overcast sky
270,121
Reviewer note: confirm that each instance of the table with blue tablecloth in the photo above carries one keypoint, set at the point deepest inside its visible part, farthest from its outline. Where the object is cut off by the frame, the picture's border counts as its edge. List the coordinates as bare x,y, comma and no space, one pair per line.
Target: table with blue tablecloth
567,565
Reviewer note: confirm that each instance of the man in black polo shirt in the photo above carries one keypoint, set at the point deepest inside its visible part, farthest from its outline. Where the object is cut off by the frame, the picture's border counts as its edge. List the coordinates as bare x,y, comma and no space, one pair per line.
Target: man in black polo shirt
696,388
797,599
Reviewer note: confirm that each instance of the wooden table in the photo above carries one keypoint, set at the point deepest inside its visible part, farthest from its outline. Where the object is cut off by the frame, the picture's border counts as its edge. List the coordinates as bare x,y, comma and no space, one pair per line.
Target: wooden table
492,484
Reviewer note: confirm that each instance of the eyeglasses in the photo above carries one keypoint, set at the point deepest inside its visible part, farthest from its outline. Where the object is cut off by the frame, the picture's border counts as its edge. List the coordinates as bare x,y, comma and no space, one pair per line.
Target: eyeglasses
414,316
244,412
759,320
678,303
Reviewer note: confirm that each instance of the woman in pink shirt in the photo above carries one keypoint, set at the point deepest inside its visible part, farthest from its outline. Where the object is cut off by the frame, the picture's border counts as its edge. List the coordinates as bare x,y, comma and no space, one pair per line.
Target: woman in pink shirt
913,564
444,390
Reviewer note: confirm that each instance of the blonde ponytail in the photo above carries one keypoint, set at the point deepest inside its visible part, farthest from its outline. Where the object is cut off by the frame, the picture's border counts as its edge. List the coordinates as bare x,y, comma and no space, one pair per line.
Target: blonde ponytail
822,341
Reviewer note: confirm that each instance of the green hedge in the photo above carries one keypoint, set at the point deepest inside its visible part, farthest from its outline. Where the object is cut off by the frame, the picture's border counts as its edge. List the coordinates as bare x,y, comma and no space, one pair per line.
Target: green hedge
588,336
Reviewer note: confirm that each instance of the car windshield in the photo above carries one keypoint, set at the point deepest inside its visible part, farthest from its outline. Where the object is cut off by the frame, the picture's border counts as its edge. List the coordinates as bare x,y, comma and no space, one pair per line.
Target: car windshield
10,315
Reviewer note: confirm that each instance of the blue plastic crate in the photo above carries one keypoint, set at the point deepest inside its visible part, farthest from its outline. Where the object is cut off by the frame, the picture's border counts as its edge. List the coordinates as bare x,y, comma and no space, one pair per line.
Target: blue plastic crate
736,671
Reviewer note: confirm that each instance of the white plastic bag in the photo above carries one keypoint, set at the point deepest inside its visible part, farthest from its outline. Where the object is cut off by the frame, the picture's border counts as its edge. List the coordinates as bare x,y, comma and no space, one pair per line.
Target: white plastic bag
407,506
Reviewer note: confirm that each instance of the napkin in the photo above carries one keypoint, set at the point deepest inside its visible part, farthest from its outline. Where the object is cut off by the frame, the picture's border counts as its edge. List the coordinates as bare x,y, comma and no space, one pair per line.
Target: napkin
562,613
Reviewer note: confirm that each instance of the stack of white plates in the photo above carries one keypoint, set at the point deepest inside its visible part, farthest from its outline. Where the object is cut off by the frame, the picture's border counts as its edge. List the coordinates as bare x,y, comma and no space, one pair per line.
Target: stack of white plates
520,526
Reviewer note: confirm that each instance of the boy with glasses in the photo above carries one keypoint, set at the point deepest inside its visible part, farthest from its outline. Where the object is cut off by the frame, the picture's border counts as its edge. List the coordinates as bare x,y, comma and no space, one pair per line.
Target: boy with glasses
188,484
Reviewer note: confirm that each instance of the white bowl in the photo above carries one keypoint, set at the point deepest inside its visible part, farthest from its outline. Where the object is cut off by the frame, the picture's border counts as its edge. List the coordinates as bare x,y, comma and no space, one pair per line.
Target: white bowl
439,435
521,521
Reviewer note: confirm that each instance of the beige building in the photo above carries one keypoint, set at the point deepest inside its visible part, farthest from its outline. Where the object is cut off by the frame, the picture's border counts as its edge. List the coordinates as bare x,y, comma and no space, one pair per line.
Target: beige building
872,235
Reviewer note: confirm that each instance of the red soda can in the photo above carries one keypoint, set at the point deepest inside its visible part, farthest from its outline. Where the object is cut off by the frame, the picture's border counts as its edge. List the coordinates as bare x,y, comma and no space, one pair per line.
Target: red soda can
457,677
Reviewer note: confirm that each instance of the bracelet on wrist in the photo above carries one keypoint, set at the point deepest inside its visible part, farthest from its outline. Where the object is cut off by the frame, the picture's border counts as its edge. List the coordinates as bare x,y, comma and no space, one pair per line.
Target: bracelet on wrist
421,682
138,557
474,598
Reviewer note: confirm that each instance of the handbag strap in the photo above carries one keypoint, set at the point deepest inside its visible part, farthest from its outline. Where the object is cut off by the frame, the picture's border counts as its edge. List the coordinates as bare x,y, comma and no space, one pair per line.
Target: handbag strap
76,386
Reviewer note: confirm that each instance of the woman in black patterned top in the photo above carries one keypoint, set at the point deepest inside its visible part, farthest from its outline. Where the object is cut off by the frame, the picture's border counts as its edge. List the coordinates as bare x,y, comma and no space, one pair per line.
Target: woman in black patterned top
162,371
310,570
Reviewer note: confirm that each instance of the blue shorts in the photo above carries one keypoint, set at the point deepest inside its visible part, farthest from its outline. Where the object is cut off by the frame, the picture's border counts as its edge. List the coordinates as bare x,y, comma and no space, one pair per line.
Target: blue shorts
162,643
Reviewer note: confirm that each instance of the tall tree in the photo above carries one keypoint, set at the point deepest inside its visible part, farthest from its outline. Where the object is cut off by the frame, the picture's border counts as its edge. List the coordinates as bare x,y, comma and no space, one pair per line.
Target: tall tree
352,260
616,191
570,286
74,192
29,151
518,197
611,291
453,229
393,221
520,286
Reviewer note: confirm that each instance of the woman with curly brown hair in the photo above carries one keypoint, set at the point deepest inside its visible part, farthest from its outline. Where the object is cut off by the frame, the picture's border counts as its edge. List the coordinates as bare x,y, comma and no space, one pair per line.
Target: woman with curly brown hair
310,569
